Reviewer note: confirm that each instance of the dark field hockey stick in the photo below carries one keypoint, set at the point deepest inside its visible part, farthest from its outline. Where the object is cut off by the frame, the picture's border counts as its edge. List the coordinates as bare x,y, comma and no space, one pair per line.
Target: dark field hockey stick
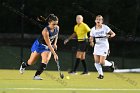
59,69
88,38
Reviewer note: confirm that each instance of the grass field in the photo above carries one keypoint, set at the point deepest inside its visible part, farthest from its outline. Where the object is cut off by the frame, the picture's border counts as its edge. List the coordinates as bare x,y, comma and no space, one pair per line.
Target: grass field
13,82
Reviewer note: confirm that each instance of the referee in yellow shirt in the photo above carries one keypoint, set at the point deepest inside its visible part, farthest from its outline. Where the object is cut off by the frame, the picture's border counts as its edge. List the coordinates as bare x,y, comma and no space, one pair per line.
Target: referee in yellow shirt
80,31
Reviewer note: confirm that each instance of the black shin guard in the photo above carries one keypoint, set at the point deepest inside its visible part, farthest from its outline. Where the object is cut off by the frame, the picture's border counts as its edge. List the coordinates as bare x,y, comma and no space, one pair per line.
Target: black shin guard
76,64
41,68
84,65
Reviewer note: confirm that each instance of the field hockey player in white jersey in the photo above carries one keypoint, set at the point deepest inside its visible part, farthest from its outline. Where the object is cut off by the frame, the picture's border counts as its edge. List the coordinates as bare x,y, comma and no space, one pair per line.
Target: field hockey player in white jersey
101,33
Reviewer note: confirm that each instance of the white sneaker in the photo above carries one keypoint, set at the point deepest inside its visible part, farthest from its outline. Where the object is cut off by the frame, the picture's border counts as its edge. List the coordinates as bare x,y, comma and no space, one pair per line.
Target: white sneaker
72,73
21,70
37,78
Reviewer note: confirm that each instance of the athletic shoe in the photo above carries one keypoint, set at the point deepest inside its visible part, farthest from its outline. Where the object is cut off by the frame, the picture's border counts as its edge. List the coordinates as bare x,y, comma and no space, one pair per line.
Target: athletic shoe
37,78
100,77
85,73
112,67
72,73
21,70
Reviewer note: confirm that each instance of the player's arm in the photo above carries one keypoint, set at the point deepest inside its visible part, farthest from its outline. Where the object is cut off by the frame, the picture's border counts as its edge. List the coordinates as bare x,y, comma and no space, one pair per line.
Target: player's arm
91,40
69,38
56,39
55,43
47,40
111,34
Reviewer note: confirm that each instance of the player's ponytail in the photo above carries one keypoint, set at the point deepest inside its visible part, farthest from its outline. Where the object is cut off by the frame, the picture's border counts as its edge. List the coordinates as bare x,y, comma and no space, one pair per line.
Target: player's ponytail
41,19
49,18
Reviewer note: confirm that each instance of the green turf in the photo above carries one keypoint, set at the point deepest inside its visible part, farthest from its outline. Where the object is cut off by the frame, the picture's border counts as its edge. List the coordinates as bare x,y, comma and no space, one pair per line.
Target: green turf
13,82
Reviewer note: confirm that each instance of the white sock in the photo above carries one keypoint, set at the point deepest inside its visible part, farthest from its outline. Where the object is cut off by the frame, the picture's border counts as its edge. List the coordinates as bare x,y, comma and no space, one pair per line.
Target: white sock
99,68
107,63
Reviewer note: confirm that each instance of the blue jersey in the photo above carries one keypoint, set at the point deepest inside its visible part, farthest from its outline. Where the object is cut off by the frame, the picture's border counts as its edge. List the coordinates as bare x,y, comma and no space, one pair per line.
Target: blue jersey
40,45
52,35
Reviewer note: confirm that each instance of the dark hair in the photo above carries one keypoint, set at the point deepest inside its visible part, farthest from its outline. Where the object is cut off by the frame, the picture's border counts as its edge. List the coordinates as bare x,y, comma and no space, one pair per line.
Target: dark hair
100,16
49,18
52,17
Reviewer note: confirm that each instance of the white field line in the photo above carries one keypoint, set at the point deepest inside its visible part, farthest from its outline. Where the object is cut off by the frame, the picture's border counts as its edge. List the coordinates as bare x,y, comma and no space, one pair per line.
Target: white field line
68,89
127,70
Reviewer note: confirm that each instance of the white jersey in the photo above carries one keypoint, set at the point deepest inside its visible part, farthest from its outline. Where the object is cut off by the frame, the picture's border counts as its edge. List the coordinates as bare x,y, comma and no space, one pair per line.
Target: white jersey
102,45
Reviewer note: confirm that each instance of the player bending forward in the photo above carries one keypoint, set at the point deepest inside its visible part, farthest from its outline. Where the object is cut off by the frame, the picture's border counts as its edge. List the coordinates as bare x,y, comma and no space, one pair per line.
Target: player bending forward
44,46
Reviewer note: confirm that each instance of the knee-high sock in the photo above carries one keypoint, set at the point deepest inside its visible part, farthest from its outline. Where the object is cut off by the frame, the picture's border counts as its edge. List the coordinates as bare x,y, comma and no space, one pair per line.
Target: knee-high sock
84,65
24,65
76,64
41,68
99,68
107,63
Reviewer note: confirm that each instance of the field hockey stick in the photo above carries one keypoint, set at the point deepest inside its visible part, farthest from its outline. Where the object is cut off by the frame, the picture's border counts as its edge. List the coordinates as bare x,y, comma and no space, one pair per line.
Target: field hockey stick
21,14
86,39
103,37
59,69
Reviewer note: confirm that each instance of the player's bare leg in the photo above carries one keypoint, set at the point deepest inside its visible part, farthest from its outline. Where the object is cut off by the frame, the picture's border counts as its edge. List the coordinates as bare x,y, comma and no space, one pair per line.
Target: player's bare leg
34,56
45,59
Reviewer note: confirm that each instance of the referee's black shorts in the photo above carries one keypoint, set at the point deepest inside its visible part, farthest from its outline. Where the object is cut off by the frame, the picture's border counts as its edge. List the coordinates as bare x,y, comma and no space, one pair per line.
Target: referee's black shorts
81,46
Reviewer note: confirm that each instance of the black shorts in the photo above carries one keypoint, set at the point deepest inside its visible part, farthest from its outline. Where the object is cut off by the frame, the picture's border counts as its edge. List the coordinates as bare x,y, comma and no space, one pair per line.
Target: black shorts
81,46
